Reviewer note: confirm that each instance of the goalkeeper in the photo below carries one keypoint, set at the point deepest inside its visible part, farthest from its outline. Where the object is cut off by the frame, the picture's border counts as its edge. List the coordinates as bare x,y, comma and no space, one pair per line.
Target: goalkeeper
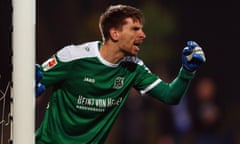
91,81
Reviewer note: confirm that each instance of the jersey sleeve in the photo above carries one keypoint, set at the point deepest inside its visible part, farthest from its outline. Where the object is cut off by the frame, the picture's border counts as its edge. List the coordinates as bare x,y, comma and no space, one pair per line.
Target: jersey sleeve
54,69
172,93
145,79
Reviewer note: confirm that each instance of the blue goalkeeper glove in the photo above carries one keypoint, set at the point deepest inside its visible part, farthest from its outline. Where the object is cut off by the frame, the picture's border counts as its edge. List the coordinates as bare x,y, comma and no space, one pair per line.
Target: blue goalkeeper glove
39,87
192,56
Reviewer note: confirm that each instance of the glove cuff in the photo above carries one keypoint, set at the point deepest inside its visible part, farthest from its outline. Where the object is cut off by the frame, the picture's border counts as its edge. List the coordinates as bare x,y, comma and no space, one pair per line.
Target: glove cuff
186,74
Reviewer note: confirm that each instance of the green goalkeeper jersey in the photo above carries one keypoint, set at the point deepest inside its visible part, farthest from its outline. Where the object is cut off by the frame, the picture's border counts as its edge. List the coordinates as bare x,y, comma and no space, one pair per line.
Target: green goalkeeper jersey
88,93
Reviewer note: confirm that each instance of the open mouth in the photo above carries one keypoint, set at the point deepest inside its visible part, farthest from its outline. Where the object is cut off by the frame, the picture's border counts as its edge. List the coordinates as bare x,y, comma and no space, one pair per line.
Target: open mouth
136,45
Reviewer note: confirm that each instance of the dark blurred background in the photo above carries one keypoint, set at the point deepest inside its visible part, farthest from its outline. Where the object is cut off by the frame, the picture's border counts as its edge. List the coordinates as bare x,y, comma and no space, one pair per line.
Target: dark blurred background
209,113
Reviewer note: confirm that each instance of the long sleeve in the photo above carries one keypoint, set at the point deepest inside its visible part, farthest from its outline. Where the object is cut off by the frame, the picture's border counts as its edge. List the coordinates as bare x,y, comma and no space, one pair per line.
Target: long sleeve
172,93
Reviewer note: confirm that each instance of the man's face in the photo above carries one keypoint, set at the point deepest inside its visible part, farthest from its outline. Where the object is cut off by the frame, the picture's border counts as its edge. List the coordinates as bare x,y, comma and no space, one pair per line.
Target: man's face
130,36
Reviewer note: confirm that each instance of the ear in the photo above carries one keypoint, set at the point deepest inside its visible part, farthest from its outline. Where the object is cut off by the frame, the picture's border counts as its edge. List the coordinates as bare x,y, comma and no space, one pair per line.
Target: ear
114,34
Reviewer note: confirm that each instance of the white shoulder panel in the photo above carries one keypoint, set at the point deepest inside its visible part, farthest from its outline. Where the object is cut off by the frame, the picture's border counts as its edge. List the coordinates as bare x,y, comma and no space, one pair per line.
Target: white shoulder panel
74,52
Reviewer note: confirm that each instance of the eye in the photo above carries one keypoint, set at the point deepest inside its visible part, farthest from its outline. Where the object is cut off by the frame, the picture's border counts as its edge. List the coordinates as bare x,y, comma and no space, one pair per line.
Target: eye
136,28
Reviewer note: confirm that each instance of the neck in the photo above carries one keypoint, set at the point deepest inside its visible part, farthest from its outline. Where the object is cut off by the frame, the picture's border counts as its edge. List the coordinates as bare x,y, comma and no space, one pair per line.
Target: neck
111,53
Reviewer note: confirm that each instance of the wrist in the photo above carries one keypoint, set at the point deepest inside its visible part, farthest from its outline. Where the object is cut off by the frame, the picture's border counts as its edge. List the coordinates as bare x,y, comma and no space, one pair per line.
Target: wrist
186,74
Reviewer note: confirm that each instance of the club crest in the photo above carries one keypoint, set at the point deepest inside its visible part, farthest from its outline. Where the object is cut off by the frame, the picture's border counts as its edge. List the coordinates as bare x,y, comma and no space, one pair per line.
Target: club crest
118,83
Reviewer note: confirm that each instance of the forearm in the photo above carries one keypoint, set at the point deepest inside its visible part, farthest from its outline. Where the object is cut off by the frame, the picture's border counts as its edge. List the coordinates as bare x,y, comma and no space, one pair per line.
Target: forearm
172,93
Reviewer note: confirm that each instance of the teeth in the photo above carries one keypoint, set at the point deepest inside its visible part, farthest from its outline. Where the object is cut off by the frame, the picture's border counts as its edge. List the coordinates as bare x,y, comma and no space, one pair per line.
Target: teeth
137,47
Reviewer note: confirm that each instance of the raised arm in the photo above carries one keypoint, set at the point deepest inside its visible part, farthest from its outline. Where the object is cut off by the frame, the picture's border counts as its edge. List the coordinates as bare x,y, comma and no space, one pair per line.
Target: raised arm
172,93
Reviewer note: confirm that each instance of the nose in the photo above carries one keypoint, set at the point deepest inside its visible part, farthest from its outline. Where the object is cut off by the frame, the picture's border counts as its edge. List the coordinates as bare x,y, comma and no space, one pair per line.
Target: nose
142,35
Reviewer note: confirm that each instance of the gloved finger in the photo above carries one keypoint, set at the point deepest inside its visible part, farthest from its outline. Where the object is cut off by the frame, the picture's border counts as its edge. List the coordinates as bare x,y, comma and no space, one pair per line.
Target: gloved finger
199,51
192,44
40,88
197,59
38,73
187,51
